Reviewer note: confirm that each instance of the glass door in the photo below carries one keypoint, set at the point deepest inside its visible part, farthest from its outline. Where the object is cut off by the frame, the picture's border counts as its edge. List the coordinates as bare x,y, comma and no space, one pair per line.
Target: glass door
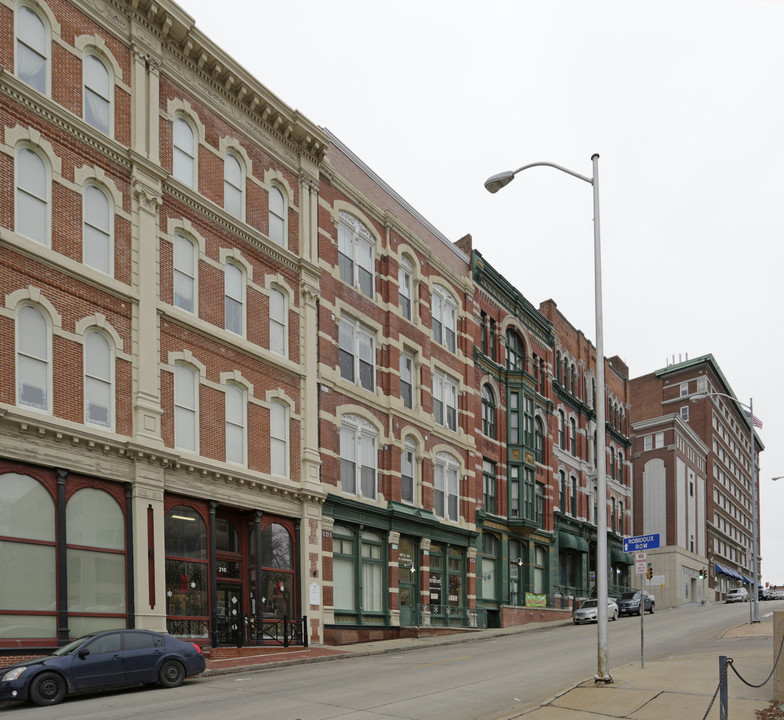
407,583
230,616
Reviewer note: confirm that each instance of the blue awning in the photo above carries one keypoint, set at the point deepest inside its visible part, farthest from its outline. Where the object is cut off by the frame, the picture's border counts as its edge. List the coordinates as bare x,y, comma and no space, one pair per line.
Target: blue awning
721,569
747,580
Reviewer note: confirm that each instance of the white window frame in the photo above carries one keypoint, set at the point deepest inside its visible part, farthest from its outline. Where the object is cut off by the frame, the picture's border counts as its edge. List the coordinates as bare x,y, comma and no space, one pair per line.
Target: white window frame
92,95
278,216
278,321
186,408
234,297
358,452
28,356
236,417
26,194
685,413
445,390
101,232
356,350
408,472
446,487
408,377
279,439
185,273
647,443
405,282
233,187
29,45
353,239
444,318
659,440
98,381
185,159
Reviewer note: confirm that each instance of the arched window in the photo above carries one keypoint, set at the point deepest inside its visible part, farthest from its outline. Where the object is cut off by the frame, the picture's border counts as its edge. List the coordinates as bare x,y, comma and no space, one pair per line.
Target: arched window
187,573
356,254
573,436
277,589
515,351
33,369
28,572
405,285
236,424
32,196
358,457
233,187
562,429
277,322
95,528
612,514
488,412
98,380
97,245
98,94
612,463
184,153
573,380
186,435
185,277
32,49
620,467
277,216
558,366
234,299
444,318
620,518
279,439
573,496
562,490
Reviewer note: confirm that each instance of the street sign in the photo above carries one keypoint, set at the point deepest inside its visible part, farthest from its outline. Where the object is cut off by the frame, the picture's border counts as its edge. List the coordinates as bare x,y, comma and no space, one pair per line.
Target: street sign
641,556
641,542
640,567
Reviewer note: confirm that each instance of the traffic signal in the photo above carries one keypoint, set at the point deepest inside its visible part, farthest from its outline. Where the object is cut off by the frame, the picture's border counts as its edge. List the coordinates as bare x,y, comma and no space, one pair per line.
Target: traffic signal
703,574
650,571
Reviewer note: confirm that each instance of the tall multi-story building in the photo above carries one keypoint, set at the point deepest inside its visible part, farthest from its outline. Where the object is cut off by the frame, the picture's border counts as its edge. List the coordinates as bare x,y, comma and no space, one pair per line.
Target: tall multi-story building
396,403
513,362
576,503
159,466
695,470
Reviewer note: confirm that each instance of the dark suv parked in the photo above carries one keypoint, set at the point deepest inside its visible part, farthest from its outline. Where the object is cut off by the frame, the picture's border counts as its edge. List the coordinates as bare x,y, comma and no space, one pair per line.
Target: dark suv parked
629,603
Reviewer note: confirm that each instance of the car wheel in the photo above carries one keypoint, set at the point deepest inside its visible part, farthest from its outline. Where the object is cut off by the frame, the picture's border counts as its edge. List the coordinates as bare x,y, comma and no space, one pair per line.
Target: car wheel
615,615
47,689
172,674
653,608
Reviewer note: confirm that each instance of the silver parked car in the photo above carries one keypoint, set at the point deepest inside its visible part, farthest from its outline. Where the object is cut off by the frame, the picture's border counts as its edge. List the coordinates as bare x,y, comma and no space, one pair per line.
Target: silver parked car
737,595
587,611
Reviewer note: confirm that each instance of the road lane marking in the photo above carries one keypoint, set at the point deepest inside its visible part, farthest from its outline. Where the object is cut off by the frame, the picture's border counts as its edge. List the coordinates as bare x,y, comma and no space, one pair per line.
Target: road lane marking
440,662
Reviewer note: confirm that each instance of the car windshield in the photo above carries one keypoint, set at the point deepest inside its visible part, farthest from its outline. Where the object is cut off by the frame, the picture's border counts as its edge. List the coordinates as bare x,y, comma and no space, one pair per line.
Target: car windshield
589,604
630,596
72,646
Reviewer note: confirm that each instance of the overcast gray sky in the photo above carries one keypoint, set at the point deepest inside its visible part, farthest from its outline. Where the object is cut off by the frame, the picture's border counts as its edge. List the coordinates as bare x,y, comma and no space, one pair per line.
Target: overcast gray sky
684,102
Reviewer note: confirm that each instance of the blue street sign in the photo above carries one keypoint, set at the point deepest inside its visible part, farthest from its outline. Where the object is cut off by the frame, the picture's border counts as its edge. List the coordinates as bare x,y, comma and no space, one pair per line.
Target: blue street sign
641,542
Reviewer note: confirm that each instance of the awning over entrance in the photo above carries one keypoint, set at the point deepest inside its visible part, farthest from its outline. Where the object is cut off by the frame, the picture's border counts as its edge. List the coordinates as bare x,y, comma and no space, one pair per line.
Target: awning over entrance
619,556
722,570
567,541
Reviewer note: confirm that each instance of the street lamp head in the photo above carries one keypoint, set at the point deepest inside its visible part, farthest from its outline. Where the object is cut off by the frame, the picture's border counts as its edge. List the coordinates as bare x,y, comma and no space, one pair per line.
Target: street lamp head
698,396
778,477
496,182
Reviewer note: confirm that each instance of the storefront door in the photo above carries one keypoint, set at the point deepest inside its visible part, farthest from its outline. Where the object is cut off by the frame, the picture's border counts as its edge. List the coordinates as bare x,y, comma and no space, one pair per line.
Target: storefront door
230,615
407,585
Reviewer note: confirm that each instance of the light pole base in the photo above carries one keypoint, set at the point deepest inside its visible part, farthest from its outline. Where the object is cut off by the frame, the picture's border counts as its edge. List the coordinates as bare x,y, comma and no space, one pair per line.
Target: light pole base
602,680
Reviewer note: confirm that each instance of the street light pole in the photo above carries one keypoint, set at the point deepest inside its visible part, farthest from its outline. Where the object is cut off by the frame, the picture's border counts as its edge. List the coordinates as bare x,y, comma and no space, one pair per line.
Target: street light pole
494,184
755,618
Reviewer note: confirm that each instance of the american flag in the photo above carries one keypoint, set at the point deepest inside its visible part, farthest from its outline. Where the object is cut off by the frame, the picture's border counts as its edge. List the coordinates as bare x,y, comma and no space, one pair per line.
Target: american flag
754,419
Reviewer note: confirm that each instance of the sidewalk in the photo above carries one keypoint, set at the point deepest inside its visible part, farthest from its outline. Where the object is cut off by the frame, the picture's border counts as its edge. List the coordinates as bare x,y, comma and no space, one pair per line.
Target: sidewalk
671,689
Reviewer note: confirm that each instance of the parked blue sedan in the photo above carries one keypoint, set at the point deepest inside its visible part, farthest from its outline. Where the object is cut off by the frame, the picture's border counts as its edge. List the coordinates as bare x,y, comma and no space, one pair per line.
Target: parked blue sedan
102,661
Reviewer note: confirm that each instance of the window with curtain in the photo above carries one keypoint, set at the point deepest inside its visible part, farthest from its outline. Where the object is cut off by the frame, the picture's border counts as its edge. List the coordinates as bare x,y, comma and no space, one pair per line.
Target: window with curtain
32,49
28,573
515,351
358,457
445,400
234,299
236,424
184,273
184,152
446,487
279,439
405,283
32,196
344,561
540,560
357,354
372,572
277,216
97,94
444,309
233,186
185,412
95,535
356,254
277,321
98,380
32,359
489,571
97,247
408,472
